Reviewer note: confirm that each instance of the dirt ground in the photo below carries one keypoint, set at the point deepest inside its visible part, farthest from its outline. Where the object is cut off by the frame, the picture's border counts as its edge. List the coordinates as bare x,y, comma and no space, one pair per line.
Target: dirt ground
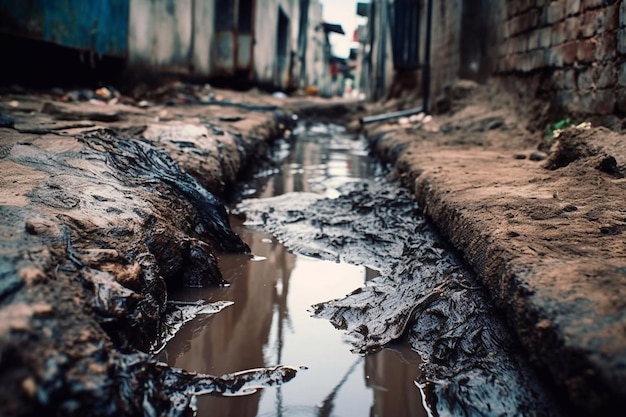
106,204
541,219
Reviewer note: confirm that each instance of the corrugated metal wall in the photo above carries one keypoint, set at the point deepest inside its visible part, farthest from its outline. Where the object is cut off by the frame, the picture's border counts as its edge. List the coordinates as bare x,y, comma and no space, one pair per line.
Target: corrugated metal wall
99,26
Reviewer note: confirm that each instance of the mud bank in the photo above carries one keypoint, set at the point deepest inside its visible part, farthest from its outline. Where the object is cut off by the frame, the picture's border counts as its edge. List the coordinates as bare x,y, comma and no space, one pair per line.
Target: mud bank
472,365
546,236
103,209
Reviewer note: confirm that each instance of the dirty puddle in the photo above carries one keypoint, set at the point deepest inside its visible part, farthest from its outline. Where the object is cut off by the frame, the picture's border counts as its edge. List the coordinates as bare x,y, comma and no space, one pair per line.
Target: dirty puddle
358,254
271,319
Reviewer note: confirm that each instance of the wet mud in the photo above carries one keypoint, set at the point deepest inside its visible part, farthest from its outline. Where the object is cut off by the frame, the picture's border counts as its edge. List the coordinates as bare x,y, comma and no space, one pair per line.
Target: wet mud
540,218
472,363
270,320
97,227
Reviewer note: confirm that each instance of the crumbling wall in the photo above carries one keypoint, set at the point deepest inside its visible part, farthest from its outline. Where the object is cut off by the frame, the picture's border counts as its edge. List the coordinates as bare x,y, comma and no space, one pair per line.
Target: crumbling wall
576,45
446,41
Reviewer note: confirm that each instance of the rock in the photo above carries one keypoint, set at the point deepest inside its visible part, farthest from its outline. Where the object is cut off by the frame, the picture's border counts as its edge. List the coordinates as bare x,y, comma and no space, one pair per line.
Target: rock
538,156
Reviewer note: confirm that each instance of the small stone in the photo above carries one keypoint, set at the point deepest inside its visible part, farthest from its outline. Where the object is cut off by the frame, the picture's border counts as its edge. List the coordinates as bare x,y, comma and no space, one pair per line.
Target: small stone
570,208
543,324
538,156
29,386
231,118
519,156
104,93
31,275
609,165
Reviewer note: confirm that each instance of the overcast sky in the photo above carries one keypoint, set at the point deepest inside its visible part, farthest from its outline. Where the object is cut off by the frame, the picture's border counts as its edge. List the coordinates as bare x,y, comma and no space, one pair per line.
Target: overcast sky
344,13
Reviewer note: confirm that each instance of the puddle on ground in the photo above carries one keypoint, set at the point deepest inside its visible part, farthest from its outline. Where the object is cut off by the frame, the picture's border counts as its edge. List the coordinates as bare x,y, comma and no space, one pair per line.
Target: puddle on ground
270,321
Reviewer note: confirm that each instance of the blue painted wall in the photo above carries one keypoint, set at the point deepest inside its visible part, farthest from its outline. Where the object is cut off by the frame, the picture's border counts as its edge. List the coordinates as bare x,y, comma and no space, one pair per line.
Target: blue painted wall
100,26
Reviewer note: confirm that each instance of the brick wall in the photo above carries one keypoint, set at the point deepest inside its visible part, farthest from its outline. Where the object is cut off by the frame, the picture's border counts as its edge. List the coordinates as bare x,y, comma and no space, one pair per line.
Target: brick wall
580,45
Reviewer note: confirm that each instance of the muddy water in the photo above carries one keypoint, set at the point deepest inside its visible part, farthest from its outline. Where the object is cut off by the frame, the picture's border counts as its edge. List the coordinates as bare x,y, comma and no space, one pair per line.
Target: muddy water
270,321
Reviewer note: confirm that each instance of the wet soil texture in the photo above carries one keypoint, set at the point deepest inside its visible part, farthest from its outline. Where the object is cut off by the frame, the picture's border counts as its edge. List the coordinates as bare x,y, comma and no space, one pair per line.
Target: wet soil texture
270,320
472,362
540,218
103,211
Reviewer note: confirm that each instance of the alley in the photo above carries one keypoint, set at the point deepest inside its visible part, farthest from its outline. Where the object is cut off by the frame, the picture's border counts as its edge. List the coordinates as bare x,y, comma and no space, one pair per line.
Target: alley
305,207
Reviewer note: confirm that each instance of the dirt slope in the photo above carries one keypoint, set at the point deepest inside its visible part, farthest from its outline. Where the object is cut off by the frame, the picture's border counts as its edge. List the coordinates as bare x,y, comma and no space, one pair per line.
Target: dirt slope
104,207
546,236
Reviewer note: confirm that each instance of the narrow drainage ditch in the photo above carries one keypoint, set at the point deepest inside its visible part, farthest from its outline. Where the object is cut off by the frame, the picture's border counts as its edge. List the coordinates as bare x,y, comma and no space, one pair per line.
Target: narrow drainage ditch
333,240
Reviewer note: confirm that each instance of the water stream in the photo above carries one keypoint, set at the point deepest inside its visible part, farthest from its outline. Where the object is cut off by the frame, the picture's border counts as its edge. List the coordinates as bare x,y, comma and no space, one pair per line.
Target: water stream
270,321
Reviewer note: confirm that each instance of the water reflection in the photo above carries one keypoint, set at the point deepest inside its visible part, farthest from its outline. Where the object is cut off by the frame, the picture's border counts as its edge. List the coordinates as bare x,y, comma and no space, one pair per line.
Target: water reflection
270,323
323,158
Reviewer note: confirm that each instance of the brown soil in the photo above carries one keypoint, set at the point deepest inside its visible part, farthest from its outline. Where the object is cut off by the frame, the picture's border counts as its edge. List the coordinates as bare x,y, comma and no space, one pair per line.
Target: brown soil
87,243
101,212
547,237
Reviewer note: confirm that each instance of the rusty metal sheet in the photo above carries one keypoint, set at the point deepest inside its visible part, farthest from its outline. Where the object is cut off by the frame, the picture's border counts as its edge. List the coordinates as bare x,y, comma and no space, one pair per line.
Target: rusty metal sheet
99,26
225,51
244,52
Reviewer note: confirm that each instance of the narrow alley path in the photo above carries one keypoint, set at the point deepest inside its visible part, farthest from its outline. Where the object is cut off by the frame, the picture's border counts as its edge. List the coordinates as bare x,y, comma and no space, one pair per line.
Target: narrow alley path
348,231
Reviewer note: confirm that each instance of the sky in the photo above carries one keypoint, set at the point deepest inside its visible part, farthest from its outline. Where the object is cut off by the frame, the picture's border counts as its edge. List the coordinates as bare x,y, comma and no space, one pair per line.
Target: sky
344,13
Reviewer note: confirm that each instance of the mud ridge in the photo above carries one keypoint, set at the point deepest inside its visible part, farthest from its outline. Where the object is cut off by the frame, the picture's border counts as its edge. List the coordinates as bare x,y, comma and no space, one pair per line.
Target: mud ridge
545,239
98,225
472,365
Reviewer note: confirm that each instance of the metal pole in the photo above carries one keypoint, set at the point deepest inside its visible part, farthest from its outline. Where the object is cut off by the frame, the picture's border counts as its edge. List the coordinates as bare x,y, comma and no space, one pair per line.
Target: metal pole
389,116
426,78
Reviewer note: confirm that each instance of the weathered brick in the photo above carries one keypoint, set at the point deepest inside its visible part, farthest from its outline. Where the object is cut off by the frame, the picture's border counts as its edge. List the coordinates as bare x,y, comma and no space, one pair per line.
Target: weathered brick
537,59
506,29
586,101
568,51
520,44
585,79
569,79
587,50
604,75
533,18
603,102
611,21
607,45
511,9
524,62
524,5
558,33
554,56
622,14
620,100
556,11
533,40
524,22
514,26
545,37
591,4
593,22
572,28
621,77
621,40
572,7
557,79
566,99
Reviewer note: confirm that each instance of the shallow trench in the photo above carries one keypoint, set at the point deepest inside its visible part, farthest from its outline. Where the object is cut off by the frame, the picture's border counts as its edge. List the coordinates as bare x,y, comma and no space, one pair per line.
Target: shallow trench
417,335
